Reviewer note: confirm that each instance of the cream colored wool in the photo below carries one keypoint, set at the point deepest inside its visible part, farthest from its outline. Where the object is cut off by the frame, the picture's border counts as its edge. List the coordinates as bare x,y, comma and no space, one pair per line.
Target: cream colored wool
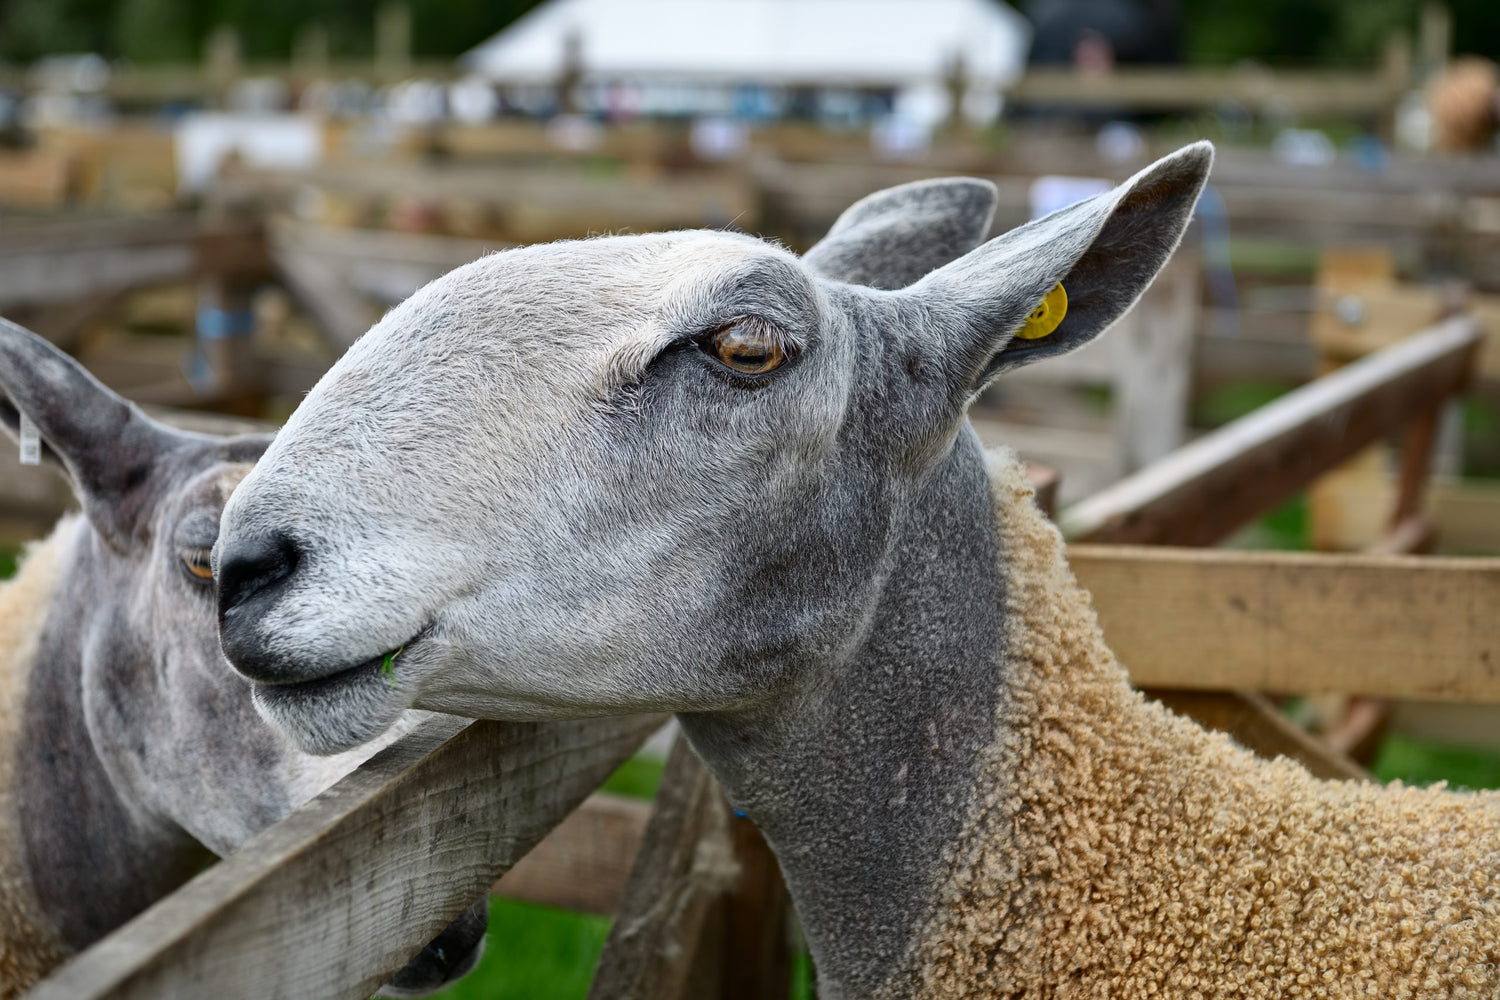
29,947
1116,850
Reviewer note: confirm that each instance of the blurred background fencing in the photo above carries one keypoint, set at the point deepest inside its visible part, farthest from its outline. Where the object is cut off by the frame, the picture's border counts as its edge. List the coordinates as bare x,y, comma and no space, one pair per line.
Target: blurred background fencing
208,200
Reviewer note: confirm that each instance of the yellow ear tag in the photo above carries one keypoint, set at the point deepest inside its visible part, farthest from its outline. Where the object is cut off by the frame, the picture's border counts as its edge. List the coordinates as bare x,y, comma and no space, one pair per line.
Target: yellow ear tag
1047,315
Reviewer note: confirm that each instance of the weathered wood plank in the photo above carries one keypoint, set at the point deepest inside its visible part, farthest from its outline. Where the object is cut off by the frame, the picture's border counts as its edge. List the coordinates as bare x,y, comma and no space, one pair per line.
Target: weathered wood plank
331,901
683,866
705,910
318,286
1417,627
384,264
1207,489
1155,89
47,265
755,958
585,862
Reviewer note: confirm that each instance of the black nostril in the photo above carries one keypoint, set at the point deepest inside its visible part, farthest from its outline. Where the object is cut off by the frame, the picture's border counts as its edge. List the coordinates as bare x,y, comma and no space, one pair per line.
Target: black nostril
250,565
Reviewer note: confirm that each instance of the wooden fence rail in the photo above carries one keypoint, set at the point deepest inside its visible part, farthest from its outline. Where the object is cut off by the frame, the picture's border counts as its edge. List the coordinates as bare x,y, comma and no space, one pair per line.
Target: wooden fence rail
323,904
63,264
1202,492
1417,627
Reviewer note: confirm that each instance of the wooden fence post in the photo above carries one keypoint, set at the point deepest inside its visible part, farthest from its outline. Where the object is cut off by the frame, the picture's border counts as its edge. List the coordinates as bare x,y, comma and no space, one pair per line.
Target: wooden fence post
705,912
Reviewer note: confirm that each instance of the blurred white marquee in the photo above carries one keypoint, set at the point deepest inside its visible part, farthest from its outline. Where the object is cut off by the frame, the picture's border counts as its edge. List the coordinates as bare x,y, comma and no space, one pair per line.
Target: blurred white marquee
827,43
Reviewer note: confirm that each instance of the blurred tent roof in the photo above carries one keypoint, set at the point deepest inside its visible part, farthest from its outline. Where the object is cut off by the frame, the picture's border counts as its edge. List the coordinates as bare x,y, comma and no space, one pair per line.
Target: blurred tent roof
853,42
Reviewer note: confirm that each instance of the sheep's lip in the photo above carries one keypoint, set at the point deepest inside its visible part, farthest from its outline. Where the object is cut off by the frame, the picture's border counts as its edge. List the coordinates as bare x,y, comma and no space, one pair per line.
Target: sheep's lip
356,672
340,710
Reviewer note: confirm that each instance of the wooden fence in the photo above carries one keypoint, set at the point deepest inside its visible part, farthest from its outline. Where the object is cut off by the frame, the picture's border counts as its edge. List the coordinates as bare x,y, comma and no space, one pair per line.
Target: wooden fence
330,901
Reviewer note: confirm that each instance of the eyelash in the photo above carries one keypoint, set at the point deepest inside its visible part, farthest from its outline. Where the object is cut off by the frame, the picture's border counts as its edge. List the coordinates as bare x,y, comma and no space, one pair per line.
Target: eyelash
193,558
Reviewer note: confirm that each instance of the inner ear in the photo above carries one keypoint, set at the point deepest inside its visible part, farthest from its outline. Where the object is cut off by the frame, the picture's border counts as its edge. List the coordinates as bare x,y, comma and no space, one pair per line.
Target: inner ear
1103,251
1117,267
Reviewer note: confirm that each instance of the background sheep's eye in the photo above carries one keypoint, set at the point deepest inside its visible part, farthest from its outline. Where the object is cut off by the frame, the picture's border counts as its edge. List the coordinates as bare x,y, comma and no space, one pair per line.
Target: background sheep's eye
197,563
747,347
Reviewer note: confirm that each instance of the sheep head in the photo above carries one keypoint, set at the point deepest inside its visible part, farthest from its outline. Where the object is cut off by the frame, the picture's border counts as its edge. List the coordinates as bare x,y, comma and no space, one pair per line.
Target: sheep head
645,473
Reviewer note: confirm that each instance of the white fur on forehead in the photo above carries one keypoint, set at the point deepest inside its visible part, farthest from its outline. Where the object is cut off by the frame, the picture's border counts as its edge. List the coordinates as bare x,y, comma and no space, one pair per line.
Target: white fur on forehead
575,317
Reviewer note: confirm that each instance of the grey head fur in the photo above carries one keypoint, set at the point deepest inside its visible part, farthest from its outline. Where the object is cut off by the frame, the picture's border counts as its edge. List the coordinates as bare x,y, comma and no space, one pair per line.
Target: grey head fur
544,480
893,237
140,754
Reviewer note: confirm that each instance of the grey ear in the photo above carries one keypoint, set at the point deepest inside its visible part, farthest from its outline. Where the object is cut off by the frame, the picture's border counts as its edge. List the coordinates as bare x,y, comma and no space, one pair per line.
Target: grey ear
1104,251
893,237
108,447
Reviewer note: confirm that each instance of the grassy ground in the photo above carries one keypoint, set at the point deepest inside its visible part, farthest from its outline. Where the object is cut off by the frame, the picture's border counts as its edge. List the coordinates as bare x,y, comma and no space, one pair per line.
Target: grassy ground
1419,762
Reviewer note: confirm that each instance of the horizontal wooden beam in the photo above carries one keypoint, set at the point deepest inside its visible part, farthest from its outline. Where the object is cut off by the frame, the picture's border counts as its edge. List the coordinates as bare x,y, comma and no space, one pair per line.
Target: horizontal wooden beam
1145,89
1204,491
52,264
1417,627
335,898
344,277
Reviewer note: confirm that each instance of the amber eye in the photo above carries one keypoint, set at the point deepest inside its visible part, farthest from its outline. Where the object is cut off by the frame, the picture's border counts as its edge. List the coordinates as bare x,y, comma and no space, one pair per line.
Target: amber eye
746,346
197,563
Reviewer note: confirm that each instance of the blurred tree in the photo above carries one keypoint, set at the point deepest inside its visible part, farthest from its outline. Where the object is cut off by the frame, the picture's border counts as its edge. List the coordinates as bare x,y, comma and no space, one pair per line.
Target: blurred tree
1305,32
1323,32
31,28
175,30
157,30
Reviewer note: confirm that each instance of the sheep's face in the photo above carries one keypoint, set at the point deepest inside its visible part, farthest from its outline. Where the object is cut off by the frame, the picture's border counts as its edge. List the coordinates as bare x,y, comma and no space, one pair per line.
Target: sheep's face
596,477
641,473
171,725
144,599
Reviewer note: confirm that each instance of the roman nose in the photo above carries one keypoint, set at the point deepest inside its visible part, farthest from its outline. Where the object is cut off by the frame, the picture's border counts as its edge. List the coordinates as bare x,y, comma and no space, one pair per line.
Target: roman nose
253,572
252,567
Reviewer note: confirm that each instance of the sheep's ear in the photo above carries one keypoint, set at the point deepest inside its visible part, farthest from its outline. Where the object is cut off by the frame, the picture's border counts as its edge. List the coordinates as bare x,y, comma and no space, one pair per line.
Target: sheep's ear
1104,251
893,237
107,446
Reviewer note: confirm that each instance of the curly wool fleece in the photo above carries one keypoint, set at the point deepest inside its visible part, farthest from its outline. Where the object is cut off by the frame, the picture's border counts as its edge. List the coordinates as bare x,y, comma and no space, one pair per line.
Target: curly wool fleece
29,948
1116,850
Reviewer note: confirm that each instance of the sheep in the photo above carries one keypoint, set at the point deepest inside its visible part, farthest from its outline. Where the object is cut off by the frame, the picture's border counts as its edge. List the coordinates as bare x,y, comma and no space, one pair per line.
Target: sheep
130,755
691,472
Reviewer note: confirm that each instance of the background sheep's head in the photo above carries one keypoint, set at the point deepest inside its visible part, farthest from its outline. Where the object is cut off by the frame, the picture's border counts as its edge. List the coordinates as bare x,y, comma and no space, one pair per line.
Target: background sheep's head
648,472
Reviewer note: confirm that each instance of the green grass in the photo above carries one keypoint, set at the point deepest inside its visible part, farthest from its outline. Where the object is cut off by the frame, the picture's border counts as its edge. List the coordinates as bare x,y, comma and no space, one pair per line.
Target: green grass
1272,257
8,559
1420,762
534,953
637,778
802,977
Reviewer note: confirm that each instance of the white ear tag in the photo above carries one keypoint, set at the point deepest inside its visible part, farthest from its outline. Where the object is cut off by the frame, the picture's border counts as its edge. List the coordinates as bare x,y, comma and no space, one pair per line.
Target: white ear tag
31,442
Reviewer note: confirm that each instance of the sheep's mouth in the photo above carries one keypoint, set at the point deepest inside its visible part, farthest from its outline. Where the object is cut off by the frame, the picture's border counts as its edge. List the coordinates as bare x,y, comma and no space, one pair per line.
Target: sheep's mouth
343,709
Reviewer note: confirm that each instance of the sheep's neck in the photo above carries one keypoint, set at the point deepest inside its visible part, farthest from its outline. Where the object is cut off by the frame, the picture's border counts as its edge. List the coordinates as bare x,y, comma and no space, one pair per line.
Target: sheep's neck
1061,832
859,785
